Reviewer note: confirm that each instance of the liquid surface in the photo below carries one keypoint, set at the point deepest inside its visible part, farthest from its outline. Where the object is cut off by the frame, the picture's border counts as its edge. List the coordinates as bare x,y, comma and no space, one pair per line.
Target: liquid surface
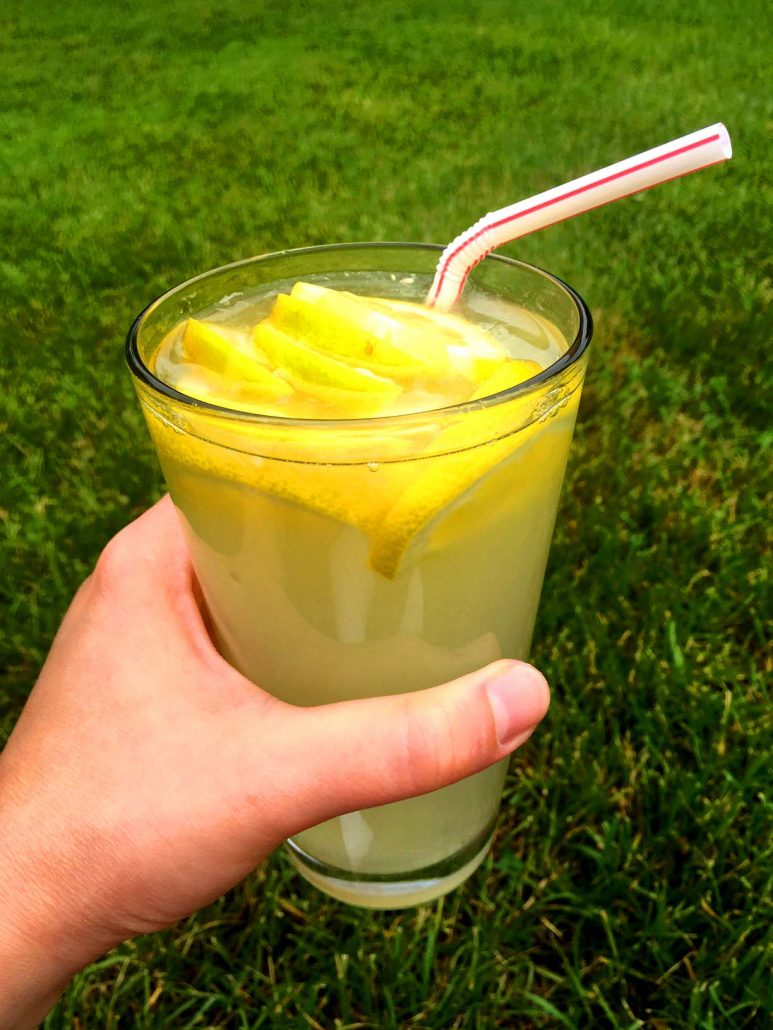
316,352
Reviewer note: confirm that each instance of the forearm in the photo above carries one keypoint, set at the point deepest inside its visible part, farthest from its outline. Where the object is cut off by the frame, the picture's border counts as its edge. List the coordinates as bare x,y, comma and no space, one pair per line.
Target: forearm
30,984
45,938
34,964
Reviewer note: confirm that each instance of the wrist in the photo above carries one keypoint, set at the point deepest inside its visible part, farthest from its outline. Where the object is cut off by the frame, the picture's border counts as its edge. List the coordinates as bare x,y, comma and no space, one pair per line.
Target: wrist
47,935
31,979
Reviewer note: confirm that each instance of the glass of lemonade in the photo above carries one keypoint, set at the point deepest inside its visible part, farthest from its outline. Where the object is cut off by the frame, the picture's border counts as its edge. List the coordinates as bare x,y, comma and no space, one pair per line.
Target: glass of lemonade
364,553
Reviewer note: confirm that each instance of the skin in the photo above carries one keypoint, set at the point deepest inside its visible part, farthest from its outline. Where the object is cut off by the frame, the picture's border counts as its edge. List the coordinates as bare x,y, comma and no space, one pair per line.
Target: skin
145,776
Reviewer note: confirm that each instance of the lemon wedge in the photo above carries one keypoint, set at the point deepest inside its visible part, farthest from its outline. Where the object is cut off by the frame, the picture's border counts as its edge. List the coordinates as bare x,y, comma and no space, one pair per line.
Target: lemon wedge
394,338
506,376
453,468
227,354
470,351
358,331
320,375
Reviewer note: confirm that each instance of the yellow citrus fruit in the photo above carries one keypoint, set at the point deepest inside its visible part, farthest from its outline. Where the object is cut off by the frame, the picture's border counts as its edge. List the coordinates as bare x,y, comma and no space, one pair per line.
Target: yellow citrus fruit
452,467
470,351
220,365
230,356
320,375
396,338
354,330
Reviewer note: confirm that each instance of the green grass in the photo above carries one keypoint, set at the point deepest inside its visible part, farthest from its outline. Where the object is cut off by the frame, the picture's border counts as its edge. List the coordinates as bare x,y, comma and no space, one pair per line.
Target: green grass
630,884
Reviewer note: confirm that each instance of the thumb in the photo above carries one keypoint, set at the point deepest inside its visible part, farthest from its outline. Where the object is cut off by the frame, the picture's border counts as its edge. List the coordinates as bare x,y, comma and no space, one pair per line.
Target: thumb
358,754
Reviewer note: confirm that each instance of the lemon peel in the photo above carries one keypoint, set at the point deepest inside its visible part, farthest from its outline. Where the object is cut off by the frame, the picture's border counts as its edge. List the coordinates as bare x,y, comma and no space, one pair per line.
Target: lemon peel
391,337
221,366
454,467
227,355
358,332
320,375
472,352
340,492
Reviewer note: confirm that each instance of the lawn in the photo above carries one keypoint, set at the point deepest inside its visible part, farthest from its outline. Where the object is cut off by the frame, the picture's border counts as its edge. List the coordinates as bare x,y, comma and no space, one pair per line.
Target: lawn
630,882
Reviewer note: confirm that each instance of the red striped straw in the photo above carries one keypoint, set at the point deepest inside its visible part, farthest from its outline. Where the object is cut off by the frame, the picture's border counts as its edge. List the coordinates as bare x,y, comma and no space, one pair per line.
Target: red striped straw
687,154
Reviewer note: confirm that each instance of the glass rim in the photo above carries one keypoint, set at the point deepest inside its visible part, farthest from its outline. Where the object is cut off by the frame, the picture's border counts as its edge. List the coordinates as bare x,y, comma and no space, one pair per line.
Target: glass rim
570,357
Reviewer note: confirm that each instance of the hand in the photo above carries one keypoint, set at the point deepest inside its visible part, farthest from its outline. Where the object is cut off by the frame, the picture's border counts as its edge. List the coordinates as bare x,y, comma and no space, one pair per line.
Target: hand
146,776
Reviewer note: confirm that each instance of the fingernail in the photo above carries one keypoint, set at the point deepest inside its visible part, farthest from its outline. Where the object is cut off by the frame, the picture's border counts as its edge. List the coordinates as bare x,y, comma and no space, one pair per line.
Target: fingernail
519,697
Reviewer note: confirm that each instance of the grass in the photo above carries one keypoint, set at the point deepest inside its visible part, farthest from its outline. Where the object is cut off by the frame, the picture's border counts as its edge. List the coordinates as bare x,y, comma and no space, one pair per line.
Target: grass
630,884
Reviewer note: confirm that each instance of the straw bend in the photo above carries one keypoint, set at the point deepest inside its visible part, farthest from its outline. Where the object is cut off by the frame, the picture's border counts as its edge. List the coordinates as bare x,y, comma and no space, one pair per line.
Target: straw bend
670,161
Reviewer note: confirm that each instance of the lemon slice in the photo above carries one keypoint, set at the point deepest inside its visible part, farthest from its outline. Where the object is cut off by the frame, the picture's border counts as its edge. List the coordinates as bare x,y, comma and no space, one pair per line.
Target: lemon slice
508,375
453,467
395,338
319,374
348,494
226,353
470,351
355,330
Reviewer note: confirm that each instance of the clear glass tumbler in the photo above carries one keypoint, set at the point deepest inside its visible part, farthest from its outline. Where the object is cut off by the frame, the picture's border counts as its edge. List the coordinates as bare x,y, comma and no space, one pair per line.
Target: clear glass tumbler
368,556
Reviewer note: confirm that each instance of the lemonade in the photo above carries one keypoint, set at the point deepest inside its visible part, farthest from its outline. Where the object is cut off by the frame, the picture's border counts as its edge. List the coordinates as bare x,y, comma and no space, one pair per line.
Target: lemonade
368,490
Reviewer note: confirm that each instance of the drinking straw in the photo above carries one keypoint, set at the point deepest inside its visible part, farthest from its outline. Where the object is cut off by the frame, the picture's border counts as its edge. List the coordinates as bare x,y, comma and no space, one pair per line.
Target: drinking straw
687,154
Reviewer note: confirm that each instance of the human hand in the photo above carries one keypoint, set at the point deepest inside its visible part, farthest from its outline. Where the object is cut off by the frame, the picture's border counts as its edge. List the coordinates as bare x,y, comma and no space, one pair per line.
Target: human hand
146,776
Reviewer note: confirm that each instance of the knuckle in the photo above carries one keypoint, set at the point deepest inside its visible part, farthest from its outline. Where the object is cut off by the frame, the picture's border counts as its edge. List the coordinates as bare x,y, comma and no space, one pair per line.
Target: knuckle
442,746
114,563
423,750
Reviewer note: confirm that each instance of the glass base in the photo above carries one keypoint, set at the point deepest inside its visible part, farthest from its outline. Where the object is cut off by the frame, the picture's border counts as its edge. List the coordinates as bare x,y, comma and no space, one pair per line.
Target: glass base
395,891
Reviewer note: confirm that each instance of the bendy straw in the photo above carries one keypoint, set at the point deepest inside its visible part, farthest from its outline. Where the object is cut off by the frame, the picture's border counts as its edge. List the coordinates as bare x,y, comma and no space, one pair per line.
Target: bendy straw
687,154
